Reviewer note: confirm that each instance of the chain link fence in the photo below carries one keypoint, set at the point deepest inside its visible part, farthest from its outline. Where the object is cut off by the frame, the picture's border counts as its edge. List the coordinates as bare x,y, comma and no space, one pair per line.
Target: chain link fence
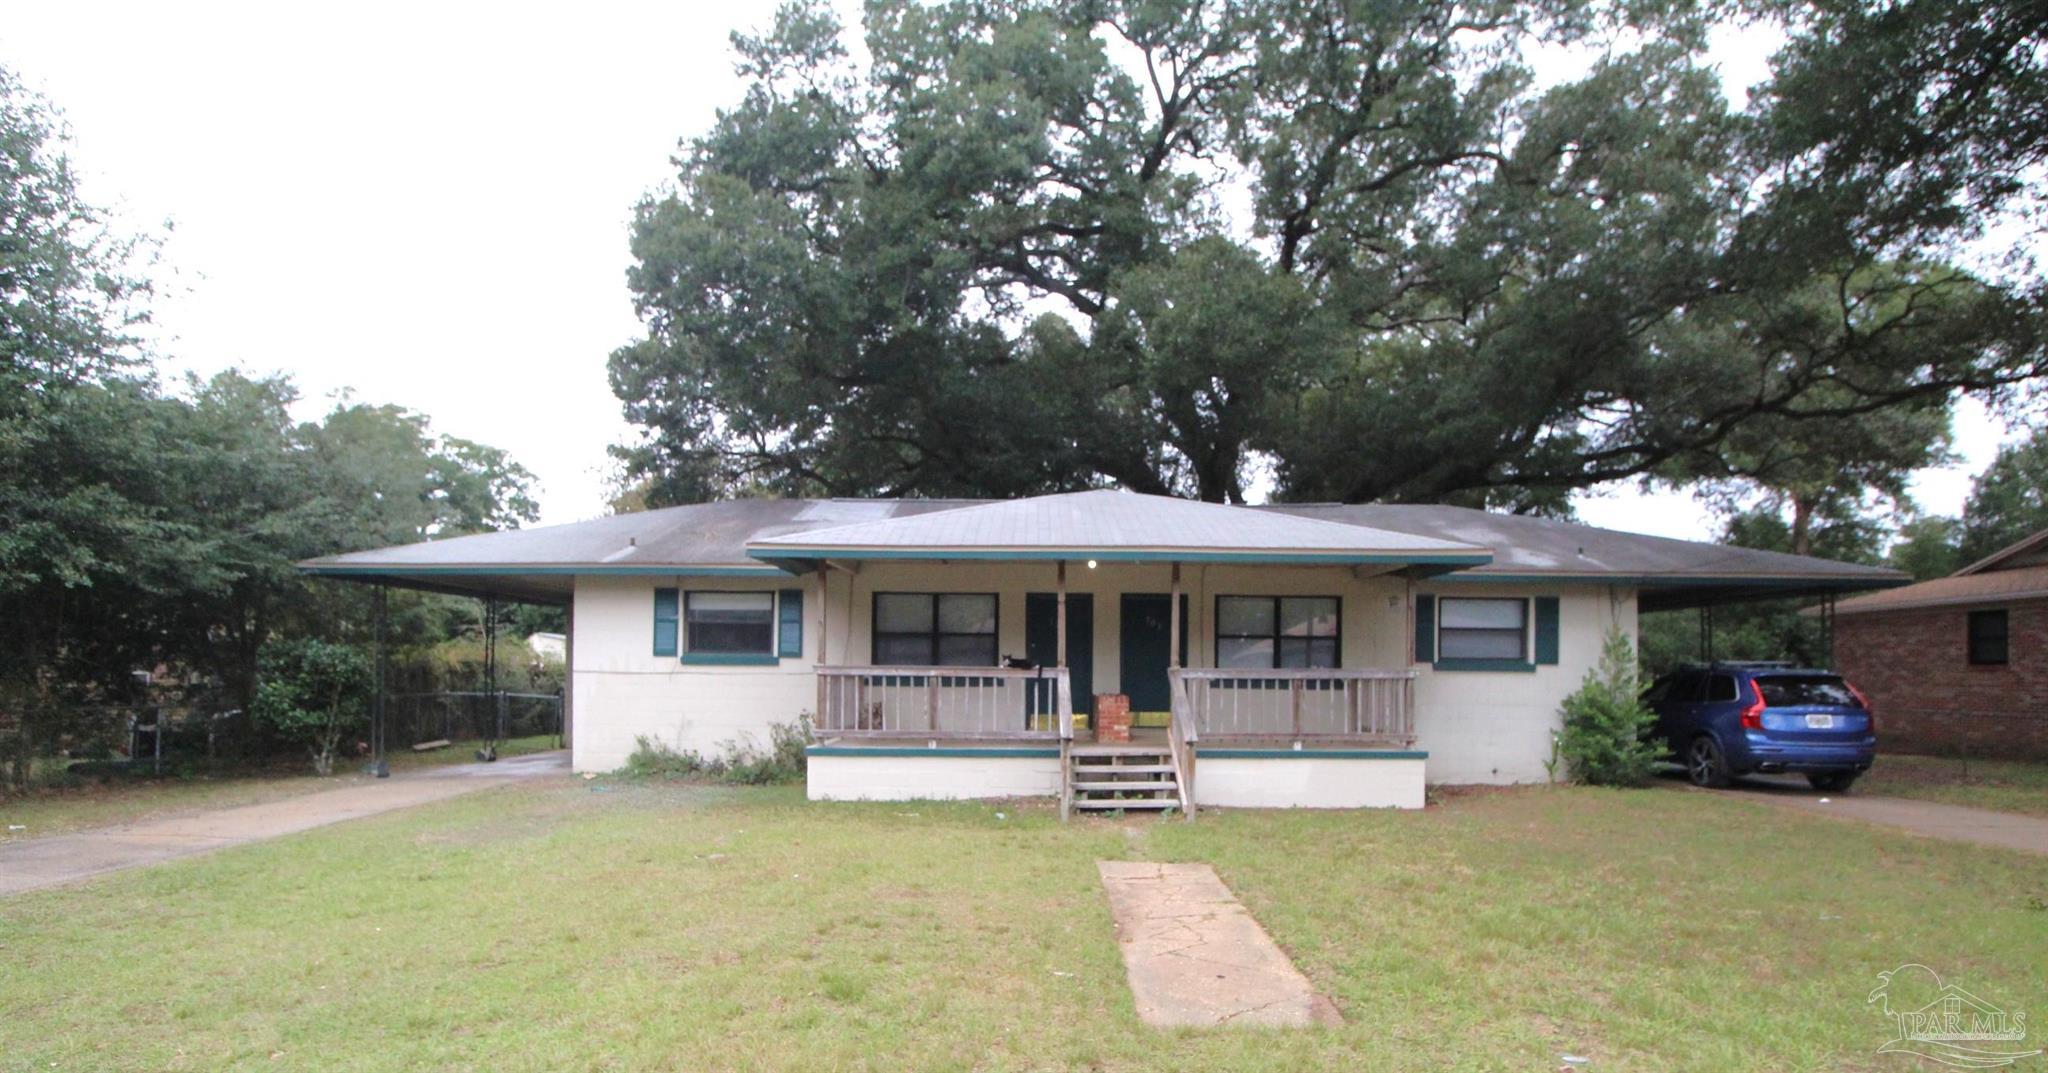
414,718
54,741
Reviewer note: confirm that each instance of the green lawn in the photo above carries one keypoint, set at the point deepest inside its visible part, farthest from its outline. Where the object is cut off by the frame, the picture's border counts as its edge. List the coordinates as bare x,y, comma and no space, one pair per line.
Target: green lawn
2006,785
607,926
102,802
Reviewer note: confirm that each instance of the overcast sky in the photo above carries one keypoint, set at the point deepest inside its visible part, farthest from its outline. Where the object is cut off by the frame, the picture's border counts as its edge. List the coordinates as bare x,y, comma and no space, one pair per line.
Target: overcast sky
428,204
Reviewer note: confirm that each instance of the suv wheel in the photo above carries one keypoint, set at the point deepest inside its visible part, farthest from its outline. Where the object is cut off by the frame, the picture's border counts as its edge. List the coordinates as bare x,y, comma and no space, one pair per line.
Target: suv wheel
1832,782
1705,765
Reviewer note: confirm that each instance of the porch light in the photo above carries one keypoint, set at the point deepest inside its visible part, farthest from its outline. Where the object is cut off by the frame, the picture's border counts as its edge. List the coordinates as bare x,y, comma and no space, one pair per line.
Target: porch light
1091,564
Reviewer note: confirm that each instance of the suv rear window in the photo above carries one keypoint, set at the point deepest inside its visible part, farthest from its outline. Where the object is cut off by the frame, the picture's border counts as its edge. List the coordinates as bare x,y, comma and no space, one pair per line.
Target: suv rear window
1787,690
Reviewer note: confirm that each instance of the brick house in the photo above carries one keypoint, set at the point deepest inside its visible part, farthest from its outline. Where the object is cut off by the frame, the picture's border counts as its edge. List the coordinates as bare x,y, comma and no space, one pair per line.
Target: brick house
1960,663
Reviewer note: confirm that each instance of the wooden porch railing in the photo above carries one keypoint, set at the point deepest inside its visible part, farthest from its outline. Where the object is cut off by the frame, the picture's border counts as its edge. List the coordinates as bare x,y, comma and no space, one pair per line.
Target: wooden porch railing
1181,736
1228,704
944,702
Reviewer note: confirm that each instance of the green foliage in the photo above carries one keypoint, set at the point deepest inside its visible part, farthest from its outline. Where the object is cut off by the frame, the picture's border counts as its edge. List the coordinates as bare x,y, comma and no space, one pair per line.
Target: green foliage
741,763
146,526
1016,246
1927,548
314,691
2009,500
1604,742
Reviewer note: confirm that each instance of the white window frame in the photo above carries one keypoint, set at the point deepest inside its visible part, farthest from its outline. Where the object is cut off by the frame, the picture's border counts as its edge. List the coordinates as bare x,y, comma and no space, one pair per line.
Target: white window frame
1528,626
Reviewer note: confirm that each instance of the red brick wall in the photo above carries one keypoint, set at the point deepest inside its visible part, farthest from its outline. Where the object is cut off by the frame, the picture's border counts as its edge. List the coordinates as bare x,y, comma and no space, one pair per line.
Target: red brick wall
1914,666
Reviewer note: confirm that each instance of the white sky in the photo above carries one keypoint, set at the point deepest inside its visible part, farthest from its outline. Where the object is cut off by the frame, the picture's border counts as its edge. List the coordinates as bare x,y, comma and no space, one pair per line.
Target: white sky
428,204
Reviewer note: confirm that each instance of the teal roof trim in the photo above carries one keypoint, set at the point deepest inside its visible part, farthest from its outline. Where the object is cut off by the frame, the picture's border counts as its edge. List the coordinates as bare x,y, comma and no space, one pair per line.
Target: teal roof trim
367,570
1075,554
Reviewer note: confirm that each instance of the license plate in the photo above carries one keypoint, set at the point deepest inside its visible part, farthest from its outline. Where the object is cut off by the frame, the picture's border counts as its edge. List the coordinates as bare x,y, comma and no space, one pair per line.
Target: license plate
1820,722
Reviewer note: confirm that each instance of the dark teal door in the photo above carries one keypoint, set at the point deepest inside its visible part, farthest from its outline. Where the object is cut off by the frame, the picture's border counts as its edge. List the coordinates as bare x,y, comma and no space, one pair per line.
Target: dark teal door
1042,641
1142,648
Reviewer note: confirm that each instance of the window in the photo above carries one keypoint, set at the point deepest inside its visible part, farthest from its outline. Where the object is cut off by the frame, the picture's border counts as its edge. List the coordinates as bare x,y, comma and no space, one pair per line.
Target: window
1988,637
1276,631
1483,629
1791,691
1720,688
917,629
729,624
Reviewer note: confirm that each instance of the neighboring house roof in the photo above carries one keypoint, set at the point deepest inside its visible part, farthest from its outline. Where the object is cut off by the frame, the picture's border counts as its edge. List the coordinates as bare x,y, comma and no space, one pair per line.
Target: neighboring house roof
2018,571
713,539
1117,527
2028,551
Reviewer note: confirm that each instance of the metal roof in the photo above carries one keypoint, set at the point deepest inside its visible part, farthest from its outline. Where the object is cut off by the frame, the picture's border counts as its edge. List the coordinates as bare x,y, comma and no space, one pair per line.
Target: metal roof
706,539
712,539
1670,573
1116,526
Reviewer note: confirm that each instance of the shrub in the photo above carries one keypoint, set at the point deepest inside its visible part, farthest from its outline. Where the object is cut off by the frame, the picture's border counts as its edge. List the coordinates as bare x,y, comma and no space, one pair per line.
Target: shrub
741,763
314,691
1605,723
653,759
783,762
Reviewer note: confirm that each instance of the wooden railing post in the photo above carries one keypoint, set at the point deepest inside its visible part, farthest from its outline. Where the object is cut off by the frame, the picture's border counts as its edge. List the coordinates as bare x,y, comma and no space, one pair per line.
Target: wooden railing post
1294,689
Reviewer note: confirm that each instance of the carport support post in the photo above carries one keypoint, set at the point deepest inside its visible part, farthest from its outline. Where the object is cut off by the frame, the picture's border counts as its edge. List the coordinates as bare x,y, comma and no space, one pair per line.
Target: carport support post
379,766
491,661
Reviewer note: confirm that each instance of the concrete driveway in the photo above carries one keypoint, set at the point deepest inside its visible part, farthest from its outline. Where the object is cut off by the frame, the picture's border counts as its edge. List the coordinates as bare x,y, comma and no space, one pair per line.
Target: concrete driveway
47,862
1956,823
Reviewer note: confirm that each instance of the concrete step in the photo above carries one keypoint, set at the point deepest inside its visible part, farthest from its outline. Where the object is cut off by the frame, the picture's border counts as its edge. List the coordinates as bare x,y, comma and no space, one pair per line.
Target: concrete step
1093,785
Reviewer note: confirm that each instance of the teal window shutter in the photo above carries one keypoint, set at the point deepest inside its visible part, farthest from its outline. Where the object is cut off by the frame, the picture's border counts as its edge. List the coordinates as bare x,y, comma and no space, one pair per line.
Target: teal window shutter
1546,629
790,634
665,605
1425,629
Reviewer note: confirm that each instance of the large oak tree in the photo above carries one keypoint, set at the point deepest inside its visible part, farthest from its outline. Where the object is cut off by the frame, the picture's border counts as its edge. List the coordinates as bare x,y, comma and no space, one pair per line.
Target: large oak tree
1020,246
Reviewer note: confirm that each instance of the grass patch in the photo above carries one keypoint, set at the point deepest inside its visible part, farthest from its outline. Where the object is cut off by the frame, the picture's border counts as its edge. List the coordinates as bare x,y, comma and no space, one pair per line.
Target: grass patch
79,802
2005,785
689,927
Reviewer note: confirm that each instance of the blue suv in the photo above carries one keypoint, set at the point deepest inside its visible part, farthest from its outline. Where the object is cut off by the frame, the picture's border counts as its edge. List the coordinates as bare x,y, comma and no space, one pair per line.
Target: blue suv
1727,719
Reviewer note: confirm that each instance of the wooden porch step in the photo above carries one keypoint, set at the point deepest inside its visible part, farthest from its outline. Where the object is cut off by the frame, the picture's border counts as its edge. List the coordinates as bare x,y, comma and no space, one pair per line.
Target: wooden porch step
1089,785
1106,804
1122,769
1119,750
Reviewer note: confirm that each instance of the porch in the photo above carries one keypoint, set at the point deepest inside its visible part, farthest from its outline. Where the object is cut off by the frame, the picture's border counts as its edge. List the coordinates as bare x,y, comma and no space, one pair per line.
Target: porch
1293,738
1263,659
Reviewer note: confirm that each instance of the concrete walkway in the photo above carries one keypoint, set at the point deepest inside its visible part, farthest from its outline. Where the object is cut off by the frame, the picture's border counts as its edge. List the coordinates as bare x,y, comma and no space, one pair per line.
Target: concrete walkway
47,862
1956,823
1195,957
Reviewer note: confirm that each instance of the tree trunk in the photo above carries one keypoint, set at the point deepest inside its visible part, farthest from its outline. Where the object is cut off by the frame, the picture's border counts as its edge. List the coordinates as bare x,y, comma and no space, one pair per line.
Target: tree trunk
1802,525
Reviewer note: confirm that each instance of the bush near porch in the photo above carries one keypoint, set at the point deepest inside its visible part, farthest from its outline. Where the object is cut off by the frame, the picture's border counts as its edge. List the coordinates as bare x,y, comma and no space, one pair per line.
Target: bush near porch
659,926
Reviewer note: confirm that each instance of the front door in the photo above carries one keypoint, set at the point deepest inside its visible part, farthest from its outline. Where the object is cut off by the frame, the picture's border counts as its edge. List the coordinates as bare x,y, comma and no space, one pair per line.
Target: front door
1042,641
1142,649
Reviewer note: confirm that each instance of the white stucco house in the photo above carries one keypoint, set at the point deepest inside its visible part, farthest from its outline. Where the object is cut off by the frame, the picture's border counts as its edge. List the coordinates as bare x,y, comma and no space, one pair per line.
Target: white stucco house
1315,655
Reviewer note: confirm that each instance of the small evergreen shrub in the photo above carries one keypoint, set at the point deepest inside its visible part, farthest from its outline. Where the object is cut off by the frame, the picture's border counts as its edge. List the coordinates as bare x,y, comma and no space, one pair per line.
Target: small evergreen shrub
315,691
1606,725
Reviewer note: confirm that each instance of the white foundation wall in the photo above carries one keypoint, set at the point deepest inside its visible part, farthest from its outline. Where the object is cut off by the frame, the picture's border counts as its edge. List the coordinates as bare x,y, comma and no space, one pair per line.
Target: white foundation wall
941,775
1308,781
623,691
1497,726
